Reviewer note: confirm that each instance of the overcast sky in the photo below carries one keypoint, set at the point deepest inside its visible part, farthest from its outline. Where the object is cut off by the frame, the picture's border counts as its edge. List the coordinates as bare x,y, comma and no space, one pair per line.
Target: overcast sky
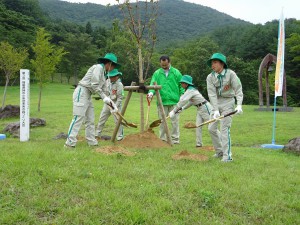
254,11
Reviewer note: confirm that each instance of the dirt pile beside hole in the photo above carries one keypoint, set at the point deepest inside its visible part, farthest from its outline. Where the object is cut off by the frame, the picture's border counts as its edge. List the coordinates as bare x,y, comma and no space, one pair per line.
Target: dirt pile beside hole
189,156
207,148
147,139
111,150
189,125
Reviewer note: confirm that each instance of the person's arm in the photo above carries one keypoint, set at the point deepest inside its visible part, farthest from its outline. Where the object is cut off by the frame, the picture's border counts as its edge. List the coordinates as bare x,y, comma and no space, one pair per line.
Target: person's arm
120,94
98,81
212,93
237,87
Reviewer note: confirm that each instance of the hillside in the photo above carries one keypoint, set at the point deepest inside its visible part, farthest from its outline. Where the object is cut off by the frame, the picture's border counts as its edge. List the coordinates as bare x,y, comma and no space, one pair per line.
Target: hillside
178,20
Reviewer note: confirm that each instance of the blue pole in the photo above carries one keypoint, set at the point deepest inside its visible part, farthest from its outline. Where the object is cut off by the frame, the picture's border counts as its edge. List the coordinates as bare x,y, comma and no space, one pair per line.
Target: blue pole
274,122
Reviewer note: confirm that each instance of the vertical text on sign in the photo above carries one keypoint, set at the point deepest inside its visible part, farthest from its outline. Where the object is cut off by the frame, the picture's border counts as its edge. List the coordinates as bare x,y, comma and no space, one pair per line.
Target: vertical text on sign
24,104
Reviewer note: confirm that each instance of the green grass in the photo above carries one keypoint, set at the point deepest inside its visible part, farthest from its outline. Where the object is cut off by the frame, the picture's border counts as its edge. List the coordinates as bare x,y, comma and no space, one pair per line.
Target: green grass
42,183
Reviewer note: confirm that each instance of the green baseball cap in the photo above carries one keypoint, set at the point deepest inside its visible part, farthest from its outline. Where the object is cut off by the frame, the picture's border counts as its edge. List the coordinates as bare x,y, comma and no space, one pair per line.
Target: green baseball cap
217,56
110,57
187,79
114,73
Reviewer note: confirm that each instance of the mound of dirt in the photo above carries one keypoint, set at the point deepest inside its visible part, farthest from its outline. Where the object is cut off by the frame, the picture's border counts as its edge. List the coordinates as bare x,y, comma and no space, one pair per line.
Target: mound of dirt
189,156
110,150
147,139
189,125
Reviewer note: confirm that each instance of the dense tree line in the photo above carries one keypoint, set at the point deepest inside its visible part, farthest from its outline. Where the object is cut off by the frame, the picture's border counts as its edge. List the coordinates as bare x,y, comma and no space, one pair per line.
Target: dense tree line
244,45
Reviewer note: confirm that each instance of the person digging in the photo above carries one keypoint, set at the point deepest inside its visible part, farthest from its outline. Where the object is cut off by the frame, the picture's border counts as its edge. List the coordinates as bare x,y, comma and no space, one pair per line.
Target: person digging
192,97
116,93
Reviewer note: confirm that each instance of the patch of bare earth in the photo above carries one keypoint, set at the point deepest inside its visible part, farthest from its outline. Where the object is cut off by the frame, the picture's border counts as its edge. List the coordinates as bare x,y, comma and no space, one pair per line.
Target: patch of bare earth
146,139
189,156
206,148
111,150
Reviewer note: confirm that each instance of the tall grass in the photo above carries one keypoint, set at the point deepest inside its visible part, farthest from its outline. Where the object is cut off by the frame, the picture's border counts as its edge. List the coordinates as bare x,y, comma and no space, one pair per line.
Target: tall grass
43,183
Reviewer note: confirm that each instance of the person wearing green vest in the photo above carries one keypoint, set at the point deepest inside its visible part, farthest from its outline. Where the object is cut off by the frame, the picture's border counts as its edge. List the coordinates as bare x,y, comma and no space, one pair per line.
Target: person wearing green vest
169,78
115,91
192,97
83,110
223,87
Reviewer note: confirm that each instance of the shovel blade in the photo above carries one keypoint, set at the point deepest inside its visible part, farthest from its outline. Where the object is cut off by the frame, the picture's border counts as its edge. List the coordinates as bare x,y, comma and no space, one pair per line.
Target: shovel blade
155,123
131,125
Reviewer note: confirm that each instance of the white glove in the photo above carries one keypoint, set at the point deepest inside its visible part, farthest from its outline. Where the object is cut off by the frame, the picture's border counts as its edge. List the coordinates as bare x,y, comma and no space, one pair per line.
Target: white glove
239,109
171,114
150,95
114,110
107,100
180,109
216,114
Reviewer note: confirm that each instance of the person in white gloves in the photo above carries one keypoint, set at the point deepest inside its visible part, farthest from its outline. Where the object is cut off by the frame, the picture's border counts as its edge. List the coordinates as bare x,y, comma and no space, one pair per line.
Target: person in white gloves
83,110
223,87
116,94
192,97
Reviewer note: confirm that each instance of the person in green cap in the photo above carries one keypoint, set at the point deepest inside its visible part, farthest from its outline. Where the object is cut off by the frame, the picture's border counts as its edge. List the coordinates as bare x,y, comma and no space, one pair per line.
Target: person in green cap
83,110
223,87
115,91
169,78
192,97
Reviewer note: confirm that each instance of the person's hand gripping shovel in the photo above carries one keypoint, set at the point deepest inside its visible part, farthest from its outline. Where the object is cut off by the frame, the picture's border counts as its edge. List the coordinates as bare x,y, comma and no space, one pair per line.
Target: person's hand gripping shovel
127,124
189,126
156,123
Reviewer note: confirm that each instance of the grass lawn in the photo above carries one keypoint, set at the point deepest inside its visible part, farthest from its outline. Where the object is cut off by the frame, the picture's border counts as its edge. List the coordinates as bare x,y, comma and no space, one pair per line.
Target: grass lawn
43,183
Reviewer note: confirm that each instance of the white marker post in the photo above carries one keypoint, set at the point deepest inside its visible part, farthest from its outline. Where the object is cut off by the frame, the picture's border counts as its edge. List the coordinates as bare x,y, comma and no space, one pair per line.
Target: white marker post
24,104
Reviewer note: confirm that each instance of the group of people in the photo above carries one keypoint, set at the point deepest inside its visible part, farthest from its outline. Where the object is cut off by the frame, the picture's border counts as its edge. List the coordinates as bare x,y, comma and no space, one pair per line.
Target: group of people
178,93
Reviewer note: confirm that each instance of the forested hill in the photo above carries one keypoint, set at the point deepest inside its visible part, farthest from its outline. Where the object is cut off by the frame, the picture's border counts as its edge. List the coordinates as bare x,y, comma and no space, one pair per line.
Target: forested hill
177,21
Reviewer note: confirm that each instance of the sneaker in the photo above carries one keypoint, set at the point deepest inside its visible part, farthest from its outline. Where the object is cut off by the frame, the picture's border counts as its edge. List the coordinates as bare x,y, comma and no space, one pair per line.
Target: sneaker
175,142
198,146
226,160
218,155
120,138
69,146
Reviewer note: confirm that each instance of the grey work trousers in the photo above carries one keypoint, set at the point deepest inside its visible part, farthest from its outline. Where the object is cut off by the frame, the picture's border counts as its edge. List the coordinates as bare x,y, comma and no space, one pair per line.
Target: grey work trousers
83,112
105,113
225,105
202,116
174,123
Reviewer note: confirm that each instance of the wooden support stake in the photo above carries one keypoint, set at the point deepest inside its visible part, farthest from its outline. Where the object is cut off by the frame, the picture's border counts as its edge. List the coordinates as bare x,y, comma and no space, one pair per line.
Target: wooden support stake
113,138
163,115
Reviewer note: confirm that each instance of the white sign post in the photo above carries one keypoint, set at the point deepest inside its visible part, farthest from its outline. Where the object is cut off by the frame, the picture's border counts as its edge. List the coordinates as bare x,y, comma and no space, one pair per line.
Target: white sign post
24,104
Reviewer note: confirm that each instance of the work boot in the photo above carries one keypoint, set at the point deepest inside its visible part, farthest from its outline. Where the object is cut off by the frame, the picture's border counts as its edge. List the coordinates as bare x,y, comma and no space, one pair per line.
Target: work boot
226,160
218,155
69,146
120,138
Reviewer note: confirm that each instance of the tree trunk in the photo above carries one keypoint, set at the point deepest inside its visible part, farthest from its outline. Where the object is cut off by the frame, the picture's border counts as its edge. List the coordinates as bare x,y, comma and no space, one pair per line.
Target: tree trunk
141,82
4,94
40,97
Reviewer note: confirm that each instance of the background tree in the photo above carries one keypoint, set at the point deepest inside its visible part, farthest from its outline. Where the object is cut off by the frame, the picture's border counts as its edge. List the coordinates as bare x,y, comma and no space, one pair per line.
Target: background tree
81,53
11,61
47,57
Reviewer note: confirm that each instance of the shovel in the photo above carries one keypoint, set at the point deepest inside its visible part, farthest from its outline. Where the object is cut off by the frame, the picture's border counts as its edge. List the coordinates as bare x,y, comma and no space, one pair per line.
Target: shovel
120,115
148,111
189,126
156,123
